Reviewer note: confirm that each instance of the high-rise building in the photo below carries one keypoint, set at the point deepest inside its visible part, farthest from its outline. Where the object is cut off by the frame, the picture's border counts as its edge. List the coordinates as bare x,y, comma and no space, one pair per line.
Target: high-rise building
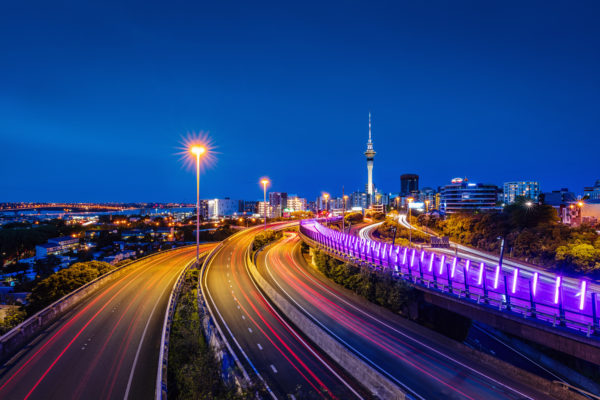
265,208
295,203
278,202
409,183
527,189
358,199
463,196
592,193
370,153
222,208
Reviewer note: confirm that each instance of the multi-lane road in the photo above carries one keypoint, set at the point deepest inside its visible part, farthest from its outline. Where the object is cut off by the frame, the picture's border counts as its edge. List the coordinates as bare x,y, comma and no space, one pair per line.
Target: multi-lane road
269,348
107,346
413,357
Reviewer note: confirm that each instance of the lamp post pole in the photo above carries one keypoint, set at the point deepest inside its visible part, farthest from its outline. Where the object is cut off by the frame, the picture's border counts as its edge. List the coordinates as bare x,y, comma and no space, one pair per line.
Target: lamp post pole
265,201
198,207
410,200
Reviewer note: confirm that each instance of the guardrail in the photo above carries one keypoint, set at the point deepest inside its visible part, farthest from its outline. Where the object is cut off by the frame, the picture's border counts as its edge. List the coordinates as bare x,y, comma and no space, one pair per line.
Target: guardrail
530,296
20,334
163,357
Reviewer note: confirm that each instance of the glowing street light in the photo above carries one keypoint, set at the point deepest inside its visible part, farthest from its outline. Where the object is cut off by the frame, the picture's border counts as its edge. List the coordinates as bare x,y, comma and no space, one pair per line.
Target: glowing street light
198,151
326,196
529,204
265,182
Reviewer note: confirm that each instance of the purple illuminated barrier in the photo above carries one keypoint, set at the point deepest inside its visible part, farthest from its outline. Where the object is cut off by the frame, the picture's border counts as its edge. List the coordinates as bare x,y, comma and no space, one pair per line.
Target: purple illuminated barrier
545,298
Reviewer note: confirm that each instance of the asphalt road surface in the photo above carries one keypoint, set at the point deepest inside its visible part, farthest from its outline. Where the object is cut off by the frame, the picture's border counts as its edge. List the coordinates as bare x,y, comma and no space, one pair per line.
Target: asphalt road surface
268,347
107,346
415,358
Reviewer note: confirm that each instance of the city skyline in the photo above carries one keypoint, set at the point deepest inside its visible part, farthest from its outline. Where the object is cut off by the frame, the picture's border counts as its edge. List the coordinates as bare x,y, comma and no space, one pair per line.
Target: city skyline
101,95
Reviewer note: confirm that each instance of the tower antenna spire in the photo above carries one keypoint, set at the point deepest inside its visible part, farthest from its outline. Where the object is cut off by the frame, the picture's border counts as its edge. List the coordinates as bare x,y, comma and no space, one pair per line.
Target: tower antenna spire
369,126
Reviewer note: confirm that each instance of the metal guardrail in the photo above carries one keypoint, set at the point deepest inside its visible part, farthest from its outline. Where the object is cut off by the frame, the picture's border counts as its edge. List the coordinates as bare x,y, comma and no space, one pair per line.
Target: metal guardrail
432,272
14,338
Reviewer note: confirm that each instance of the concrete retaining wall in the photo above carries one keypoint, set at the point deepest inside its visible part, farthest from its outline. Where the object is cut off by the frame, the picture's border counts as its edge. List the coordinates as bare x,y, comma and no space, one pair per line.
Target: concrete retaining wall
14,339
379,385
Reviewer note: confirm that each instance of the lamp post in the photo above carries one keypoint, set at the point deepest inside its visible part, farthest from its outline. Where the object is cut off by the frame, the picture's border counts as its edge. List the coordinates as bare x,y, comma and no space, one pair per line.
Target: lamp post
410,200
198,151
326,196
265,182
344,214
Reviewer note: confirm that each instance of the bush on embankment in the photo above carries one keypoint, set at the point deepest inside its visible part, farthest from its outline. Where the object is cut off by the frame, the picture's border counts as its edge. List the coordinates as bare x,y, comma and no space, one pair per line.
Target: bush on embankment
63,282
266,237
382,288
193,371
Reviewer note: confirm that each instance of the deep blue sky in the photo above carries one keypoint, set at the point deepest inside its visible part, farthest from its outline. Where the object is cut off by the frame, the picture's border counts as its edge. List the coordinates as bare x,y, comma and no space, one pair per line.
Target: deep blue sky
94,98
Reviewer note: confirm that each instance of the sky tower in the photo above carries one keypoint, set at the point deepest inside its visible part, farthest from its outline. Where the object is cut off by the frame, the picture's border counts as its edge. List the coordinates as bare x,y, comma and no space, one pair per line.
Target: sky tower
370,153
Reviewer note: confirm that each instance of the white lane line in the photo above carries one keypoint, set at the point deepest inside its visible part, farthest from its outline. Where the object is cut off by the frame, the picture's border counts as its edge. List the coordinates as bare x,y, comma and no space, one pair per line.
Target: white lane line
259,346
214,305
406,336
137,353
243,317
250,330
273,368
299,338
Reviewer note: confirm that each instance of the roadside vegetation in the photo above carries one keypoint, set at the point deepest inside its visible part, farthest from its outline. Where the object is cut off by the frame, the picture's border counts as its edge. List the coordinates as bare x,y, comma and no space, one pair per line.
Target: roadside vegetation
391,229
266,237
193,371
532,234
378,287
63,282
383,289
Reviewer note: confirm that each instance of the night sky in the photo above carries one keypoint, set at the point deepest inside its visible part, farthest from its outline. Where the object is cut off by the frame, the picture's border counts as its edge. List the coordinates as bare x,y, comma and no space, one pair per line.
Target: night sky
94,99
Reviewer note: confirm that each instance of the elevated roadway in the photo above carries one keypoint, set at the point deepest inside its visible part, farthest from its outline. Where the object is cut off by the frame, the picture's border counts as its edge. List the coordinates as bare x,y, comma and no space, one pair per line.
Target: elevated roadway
107,346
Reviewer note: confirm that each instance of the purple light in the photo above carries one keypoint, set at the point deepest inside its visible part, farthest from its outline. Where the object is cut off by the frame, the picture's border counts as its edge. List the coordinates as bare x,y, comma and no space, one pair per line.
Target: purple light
453,267
431,261
422,255
412,258
442,262
557,289
514,282
496,276
404,256
582,294
467,265
480,278
535,280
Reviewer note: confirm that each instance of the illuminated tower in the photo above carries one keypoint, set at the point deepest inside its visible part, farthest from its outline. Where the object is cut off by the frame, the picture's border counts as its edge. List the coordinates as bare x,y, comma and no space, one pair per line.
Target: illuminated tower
370,153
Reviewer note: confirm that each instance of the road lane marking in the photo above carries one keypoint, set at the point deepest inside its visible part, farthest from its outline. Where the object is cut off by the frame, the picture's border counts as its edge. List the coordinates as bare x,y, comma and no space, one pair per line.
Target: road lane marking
250,330
137,353
273,368
259,346
243,317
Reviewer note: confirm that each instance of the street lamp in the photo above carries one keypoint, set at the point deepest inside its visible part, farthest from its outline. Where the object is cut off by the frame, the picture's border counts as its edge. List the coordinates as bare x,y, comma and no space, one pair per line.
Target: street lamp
410,200
198,151
427,206
345,197
265,182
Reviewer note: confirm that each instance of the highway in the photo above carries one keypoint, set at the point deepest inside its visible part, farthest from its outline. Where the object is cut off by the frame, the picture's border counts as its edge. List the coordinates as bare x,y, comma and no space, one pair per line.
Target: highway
413,357
107,346
269,349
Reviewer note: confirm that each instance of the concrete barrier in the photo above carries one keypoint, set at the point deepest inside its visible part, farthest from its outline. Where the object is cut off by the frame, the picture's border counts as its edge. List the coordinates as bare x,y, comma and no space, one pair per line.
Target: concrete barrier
14,339
362,372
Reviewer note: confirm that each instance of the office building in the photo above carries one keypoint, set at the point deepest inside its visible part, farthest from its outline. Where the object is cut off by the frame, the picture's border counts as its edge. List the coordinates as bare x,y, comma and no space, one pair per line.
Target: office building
528,189
295,203
592,194
463,196
278,202
409,183
226,207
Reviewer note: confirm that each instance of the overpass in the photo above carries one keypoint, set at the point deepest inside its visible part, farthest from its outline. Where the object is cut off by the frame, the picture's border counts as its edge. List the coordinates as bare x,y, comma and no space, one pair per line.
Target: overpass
558,315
